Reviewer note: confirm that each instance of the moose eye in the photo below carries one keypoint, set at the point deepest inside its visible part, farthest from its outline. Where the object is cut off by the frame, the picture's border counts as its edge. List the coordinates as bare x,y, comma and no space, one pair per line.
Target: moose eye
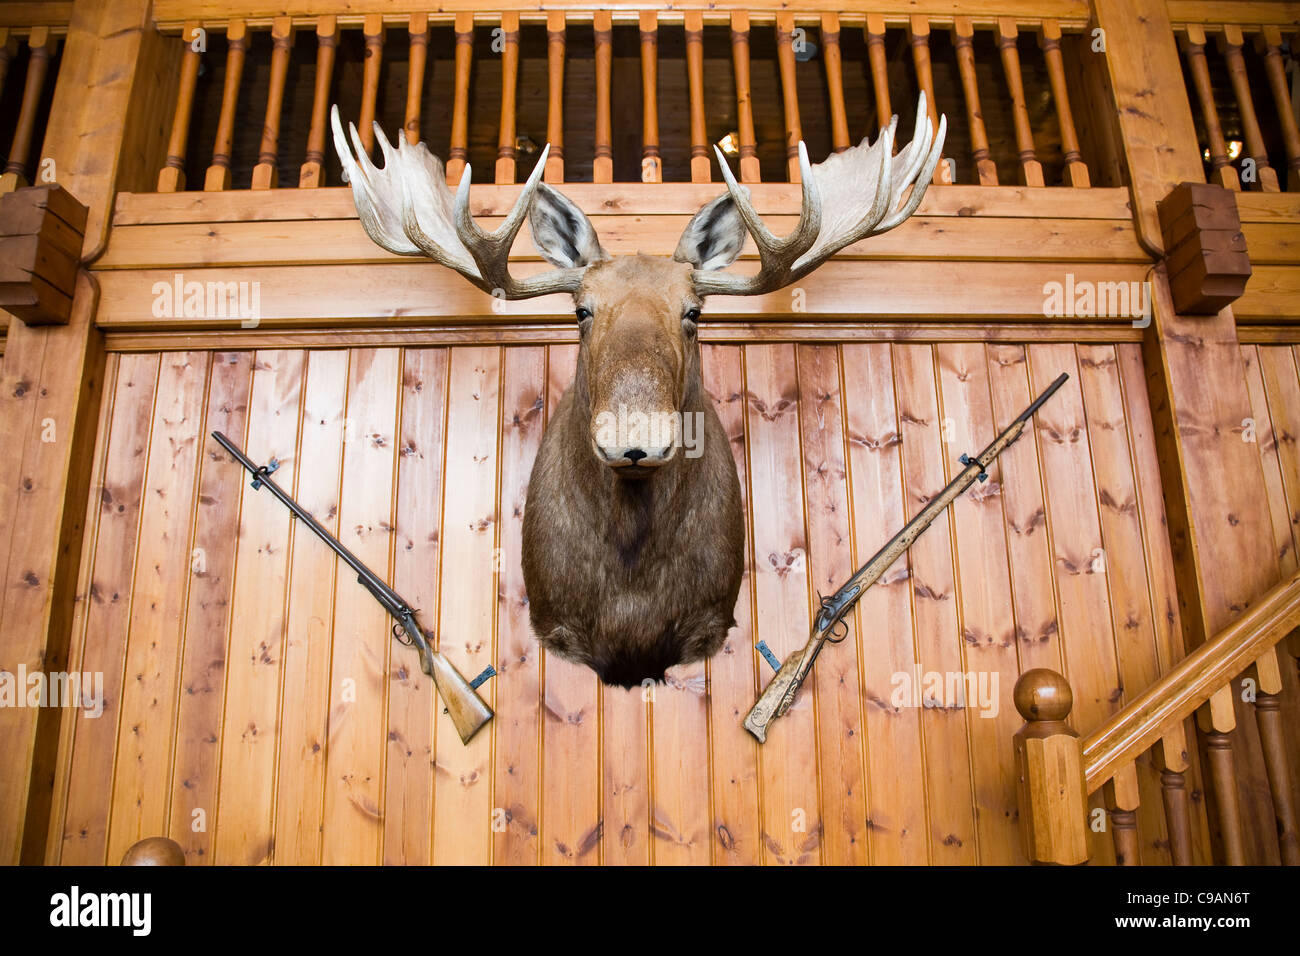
693,315
583,314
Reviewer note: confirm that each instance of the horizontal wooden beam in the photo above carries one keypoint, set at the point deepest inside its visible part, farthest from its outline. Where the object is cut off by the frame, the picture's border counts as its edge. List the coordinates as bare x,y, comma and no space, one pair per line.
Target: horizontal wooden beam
1241,14
558,333
407,292
345,241
1268,207
18,16
619,199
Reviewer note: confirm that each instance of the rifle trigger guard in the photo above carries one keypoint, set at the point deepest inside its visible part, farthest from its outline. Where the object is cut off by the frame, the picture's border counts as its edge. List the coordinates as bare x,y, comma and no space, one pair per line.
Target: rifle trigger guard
400,635
839,627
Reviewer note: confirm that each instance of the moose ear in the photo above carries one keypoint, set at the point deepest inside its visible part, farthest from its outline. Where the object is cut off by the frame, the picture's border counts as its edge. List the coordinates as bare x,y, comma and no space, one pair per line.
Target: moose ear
713,239
561,231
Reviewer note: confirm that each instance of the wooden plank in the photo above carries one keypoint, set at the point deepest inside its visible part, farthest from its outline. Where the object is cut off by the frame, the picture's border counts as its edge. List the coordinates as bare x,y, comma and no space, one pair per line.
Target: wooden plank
141,786
1078,553
1260,207
467,598
1029,556
788,775
985,608
571,783
1272,243
625,776
895,778
622,199
1265,438
412,701
680,768
733,672
305,687
197,758
1203,11
1270,295
1136,648
244,815
90,775
936,630
518,723
831,561
352,822
413,293
314,242
77,648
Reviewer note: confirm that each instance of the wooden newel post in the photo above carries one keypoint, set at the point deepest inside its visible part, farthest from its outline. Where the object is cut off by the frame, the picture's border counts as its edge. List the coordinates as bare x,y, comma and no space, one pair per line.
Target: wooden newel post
1049,772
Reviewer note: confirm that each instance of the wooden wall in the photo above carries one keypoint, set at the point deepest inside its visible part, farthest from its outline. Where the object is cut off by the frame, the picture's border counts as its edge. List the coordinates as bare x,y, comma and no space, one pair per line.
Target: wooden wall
250,680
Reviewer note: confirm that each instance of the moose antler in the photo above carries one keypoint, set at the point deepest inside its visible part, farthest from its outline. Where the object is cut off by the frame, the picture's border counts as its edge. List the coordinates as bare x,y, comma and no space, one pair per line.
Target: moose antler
407,208
850,196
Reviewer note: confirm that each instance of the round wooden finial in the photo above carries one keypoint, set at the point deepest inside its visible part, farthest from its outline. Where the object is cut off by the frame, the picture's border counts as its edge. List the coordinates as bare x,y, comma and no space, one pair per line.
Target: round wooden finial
154,851
1042,694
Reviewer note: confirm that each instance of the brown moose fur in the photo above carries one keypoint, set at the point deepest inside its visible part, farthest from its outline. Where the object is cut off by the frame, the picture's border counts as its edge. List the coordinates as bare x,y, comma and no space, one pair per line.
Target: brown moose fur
632,575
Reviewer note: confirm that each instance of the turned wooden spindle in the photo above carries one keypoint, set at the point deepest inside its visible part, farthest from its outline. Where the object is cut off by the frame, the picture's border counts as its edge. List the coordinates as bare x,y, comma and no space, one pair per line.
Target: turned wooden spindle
1268,717
41,45
919,30
373,30
1122,800
418,28
651,164
1221,169
789,93
749,172
555,38
506,155
1265,177
701,162
7,44
265,175
1269,45
834,60
1052,797
217,177
963,36
311,174
172,176
1031,170
602,166
458,149
875,30
1171,757
1076,170
1217,720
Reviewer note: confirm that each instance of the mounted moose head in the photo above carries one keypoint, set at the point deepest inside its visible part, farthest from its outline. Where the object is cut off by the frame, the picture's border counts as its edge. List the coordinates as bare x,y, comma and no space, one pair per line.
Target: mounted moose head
632,551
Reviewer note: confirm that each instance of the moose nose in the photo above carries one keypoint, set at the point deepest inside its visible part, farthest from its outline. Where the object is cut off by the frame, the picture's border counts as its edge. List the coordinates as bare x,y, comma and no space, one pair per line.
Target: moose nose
624,456
634,455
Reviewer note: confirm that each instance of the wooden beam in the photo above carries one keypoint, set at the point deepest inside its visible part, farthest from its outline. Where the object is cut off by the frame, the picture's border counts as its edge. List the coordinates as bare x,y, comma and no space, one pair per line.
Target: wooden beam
50,384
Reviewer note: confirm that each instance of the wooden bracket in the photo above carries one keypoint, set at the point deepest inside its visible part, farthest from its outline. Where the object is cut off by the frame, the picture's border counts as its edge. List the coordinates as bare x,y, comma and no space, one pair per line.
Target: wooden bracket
1205,250
41,232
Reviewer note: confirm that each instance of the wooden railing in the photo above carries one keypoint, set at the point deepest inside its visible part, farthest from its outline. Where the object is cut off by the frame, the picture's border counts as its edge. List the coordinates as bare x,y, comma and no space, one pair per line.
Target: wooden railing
798,39
1057,770
28,56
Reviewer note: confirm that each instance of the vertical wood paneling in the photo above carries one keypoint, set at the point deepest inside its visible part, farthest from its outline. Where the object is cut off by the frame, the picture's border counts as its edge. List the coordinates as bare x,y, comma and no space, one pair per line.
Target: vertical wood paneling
142,782
988,629
934,612
359,668
310,737
412,700
517,725
244,816
733,674
571,774
788,761
467,599
85,835
831,560
313,573
197,743
894,777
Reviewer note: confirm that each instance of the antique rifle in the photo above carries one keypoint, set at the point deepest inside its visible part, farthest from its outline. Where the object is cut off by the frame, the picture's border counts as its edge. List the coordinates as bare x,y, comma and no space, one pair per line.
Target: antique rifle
781,690
467,710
